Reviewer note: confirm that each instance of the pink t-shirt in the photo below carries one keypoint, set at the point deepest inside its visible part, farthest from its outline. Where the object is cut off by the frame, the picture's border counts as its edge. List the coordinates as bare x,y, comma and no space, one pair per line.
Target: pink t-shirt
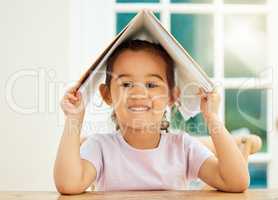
119,166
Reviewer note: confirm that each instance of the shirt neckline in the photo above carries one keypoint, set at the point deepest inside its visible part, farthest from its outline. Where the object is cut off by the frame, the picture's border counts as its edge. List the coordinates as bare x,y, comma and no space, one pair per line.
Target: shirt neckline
161,142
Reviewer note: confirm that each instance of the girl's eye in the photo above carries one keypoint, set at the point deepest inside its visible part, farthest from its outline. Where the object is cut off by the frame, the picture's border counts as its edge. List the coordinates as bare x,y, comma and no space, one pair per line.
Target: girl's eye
151,85
127,84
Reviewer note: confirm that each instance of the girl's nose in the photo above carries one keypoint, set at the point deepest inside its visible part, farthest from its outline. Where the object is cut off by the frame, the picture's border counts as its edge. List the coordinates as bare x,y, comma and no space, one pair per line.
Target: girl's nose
138,91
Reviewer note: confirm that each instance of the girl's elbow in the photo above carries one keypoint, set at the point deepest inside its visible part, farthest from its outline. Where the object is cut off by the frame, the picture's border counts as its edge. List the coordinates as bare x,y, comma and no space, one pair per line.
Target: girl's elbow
241,186
244,185
238,189
234,189
64,186
69,190
245,182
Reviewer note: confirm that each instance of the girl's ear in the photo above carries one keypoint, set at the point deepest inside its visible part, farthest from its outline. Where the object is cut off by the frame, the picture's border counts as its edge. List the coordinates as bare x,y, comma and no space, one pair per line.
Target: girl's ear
105,94
175,95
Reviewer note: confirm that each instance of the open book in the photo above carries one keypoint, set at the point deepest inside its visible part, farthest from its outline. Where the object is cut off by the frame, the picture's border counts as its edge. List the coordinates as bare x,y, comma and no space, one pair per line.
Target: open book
189,75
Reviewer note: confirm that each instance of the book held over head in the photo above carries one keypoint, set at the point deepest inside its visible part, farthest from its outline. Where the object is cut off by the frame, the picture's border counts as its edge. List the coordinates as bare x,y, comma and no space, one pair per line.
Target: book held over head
145,26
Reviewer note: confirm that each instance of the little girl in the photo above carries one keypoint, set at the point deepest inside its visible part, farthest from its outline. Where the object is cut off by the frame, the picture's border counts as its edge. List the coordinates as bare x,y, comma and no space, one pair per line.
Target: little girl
139,155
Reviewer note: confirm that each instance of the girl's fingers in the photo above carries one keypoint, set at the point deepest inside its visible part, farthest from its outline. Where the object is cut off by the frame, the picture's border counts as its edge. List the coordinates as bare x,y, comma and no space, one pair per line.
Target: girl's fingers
214,92
202,93
211,94
69,104
78,94
72,97
71,90
72,103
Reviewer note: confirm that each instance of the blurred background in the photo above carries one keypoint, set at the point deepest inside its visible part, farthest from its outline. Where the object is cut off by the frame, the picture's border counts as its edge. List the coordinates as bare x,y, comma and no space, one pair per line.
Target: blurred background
47,45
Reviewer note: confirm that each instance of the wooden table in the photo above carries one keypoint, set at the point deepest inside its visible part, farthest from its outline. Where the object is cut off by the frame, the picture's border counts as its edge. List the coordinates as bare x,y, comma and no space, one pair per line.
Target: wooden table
144,195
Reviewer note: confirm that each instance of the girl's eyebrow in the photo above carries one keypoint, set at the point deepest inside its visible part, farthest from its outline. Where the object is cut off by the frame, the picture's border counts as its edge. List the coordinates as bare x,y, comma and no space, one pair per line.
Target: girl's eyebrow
148,75
155,75
122,75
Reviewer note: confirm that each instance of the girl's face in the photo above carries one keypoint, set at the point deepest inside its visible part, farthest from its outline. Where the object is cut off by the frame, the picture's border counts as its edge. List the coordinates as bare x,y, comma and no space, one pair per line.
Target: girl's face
139,92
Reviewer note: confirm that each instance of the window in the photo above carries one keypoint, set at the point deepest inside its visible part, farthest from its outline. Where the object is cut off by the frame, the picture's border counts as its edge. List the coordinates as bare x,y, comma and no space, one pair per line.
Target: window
229,39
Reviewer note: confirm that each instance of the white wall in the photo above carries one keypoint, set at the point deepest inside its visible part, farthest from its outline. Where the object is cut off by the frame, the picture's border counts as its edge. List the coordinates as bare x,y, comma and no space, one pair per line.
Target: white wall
36,37
96,23
34,34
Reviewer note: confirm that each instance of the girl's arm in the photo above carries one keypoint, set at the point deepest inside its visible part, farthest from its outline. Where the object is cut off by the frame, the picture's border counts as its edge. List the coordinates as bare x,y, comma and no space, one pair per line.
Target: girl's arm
72,174
248,144
228,171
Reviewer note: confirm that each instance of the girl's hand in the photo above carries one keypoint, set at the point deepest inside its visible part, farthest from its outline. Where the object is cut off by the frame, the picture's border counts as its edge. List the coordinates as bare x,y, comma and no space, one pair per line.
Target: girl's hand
72,104
210,102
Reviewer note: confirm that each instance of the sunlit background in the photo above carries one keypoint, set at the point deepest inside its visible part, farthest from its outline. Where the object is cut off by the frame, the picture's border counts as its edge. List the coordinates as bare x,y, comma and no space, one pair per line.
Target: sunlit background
233,40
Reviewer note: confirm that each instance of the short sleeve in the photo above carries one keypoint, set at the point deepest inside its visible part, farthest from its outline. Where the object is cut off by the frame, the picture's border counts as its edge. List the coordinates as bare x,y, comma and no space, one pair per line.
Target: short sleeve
91,150
196,153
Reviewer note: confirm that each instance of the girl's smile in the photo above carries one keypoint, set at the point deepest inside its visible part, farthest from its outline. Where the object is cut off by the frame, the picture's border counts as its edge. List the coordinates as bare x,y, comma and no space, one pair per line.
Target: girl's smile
138,108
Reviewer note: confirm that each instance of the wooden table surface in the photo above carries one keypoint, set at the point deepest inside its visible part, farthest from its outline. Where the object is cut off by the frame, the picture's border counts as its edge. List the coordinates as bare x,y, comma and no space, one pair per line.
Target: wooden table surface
144,195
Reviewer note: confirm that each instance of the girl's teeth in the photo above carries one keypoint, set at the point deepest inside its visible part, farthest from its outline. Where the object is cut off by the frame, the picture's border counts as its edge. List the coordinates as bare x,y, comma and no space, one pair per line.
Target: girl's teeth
139,108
